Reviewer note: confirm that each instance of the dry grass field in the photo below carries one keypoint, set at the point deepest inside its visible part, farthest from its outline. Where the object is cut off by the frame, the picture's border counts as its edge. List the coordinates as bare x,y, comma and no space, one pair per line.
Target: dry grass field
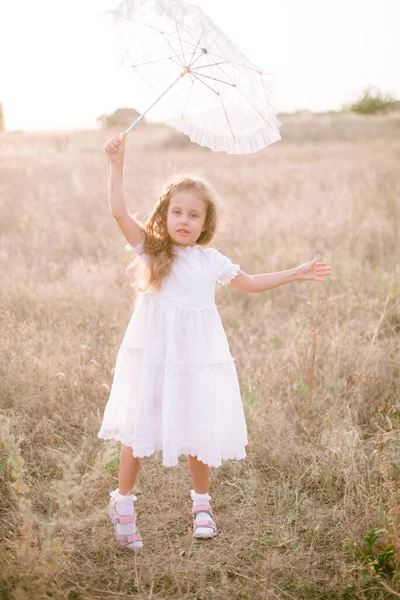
313,512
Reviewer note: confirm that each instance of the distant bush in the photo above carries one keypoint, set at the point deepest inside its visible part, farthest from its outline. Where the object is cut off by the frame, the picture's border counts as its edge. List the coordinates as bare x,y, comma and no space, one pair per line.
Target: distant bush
372,101
122,117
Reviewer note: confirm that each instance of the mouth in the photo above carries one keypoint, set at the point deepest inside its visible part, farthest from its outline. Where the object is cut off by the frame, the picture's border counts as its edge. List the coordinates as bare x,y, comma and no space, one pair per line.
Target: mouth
182,232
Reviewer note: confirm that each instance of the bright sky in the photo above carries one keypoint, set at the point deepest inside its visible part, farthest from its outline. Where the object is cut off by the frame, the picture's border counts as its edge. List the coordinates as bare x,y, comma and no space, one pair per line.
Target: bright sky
58,69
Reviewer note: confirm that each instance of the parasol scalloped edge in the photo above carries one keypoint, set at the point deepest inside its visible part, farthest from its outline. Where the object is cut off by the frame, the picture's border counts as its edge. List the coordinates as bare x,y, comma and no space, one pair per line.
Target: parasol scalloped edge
245,143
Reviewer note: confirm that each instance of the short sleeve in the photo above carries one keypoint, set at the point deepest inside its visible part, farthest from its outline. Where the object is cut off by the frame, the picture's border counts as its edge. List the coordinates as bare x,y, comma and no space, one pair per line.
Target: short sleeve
138,250
226,270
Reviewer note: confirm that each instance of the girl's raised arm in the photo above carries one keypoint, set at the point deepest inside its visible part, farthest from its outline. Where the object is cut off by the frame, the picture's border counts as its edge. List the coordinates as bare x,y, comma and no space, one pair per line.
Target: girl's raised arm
131,229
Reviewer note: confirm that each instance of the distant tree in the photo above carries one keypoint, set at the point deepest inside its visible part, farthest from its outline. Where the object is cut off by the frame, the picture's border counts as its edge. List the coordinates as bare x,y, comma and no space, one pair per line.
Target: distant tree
122,117
2,128
372,101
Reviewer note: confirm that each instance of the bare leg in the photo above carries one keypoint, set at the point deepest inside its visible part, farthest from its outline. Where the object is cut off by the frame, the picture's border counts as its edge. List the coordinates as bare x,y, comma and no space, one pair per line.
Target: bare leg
200,473
128,469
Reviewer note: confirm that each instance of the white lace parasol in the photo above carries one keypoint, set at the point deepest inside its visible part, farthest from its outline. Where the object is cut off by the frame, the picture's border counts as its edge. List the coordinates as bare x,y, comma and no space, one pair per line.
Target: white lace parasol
198,81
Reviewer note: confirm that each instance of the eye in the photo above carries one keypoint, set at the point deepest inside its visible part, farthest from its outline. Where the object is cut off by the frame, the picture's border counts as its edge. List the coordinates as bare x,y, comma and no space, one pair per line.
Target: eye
176,211
197,216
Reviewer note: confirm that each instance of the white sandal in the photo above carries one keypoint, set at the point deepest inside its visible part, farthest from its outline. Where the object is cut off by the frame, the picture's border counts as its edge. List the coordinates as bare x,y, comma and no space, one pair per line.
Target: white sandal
205,523
134,540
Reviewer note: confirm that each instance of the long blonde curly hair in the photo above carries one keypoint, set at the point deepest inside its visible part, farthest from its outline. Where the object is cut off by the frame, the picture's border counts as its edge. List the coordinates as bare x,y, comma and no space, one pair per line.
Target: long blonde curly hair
157,242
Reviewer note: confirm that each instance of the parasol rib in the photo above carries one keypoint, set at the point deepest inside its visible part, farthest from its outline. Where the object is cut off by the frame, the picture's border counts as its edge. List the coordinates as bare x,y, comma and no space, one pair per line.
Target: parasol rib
174,61
187,30
244,96
172,48
215,79
206,84
159,59
197,45
212,65
180,41
226,115
233,62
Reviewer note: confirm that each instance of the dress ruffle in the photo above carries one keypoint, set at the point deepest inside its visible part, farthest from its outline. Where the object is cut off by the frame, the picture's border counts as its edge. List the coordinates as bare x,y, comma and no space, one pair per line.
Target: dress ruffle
178,410
204,457
229,274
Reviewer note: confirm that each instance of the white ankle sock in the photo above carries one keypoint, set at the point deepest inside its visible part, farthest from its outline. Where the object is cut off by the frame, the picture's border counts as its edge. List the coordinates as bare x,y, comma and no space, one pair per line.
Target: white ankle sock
201,516
125,506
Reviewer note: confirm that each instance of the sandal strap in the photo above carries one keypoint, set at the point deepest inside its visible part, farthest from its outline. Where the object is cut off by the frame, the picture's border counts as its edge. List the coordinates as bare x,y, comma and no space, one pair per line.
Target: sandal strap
128,539
123,519
202,508
206,524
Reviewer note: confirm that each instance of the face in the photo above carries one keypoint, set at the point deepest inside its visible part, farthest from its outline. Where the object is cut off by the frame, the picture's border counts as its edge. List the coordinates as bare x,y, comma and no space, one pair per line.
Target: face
186,213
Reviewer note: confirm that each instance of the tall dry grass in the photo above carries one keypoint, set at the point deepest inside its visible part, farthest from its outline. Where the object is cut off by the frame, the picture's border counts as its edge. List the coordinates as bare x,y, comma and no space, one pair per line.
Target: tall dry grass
318,365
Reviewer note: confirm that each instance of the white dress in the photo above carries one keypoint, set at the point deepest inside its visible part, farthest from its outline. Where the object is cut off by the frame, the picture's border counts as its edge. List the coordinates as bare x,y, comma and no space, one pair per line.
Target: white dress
175,386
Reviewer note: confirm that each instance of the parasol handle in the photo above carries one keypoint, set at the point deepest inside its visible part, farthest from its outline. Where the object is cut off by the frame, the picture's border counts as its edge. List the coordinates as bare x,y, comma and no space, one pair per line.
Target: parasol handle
155,102
185,71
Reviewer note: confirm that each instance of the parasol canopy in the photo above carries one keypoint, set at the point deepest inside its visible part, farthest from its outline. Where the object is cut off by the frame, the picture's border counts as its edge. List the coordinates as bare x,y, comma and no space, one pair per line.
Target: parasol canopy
195,78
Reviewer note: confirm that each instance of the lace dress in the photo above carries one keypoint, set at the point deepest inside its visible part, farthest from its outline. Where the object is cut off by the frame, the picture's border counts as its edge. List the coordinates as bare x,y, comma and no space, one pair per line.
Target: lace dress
175,386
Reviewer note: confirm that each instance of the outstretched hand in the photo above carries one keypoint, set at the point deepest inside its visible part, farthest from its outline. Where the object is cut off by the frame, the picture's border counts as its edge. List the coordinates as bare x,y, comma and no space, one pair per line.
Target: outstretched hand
313,270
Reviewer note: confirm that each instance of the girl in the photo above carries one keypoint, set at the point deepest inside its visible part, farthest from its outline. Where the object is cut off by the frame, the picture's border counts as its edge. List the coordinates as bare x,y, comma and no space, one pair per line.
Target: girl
175,386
